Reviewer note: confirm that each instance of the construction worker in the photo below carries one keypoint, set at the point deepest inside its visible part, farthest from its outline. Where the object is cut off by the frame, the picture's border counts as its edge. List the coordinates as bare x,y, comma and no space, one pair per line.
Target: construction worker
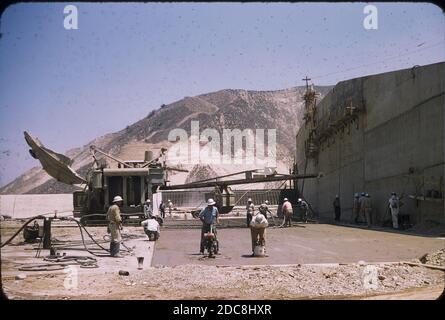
148,211
115,226
258,227
151,228
170,207
360,202
303,209
250,209
209,215
356,208
267,203
367,209
337,208
162,209
394,205
266,206
287,212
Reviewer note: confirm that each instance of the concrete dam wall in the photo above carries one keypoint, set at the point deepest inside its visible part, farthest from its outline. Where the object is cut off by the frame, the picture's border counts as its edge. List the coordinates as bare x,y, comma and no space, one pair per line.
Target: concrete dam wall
378,134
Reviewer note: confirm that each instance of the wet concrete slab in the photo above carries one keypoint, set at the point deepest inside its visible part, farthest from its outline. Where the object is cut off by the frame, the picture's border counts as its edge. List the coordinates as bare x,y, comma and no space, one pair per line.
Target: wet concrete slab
301,244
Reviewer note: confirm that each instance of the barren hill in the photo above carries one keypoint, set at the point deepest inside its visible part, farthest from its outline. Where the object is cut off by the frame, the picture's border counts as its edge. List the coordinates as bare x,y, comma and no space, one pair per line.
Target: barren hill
232,109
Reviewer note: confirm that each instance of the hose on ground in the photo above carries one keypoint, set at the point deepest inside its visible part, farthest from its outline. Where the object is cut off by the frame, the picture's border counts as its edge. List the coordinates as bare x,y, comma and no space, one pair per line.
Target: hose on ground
60,262
91,237
69,219
81,227
23,227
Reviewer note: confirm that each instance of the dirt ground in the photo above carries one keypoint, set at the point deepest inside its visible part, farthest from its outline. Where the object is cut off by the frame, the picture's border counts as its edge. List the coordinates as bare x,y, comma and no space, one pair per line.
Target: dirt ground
314,261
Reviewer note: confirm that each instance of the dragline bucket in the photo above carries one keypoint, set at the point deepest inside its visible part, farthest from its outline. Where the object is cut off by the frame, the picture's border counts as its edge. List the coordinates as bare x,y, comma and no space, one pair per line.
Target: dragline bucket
55,164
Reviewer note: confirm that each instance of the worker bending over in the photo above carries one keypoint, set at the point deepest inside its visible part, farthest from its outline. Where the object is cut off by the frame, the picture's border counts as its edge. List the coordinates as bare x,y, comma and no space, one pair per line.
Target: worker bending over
151,228
258,227
287,212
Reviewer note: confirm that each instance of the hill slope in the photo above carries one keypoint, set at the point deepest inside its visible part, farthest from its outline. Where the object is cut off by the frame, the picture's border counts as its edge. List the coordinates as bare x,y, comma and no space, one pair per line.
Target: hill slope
231,109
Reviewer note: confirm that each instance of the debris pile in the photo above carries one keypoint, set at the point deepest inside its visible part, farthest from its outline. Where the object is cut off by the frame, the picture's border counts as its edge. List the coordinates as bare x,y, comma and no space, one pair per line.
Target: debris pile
274,282
435,258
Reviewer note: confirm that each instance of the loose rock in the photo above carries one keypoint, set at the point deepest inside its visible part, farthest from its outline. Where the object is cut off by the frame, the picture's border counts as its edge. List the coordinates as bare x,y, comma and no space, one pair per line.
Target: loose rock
20,276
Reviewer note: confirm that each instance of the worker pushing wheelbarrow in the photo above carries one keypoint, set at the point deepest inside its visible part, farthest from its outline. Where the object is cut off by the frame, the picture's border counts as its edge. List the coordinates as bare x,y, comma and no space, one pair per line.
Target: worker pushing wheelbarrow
209,217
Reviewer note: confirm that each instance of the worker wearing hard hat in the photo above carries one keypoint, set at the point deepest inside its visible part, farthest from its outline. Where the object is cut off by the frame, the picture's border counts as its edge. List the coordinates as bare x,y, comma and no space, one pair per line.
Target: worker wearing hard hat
266,208
208,216
394,204
115,225
367,209
258,227
304,207
170,207
148,211
287,212
151,228
162,209
250,209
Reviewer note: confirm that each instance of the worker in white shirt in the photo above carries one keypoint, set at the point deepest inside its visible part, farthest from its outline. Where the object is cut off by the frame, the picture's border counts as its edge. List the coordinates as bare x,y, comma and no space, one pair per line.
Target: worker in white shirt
258,226
151,228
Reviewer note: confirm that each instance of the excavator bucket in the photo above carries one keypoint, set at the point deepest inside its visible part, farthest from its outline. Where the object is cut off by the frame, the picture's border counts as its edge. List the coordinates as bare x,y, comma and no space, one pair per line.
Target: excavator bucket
55,164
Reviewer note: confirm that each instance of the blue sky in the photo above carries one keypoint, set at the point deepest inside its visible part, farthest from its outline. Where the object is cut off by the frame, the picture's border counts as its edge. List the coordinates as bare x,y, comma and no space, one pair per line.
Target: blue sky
69,86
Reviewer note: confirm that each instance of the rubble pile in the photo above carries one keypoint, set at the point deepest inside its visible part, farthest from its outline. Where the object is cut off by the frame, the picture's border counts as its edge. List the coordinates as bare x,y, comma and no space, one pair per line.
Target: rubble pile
235,282
435,258
274,282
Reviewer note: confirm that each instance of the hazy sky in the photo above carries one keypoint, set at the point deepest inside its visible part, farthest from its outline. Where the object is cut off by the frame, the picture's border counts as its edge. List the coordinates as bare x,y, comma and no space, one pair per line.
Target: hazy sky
69,86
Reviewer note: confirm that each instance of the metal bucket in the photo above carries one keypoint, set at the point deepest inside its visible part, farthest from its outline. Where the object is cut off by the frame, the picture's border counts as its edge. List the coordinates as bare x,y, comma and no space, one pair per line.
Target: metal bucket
140,262
259,251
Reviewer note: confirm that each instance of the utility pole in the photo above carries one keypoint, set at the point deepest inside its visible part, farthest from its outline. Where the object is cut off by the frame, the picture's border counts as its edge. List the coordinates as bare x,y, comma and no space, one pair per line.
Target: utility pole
307,82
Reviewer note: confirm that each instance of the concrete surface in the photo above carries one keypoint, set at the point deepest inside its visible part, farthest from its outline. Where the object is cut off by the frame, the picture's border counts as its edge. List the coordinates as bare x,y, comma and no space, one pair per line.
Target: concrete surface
305,243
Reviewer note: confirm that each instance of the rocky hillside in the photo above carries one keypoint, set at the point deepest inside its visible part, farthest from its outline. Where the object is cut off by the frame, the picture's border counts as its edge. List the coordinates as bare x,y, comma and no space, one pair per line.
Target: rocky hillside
280,110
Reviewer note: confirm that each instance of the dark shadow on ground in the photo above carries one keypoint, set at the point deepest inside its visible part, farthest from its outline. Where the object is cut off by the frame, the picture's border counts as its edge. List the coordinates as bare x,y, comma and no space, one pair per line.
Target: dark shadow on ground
250,256
409,232
294,225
